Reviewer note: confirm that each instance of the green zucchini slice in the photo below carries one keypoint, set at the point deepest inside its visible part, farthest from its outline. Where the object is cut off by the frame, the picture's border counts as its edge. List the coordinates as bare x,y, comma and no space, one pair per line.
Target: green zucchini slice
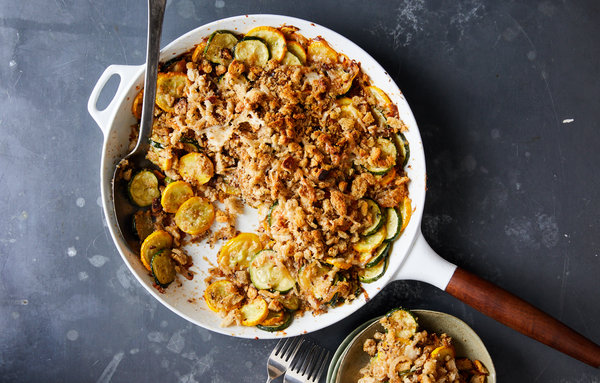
376,217
217,42
143,188
266,274
163,268
276,321
402,147
371,242
393,223
388,149
404,321
252,51
373,273
272,210
381,252
290,301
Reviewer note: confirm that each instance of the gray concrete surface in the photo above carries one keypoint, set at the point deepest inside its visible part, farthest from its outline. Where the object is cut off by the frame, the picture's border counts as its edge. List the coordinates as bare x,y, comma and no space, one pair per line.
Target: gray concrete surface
507,98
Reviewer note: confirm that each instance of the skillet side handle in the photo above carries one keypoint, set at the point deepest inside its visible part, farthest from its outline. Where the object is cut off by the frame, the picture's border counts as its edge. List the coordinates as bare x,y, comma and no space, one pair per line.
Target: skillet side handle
514,312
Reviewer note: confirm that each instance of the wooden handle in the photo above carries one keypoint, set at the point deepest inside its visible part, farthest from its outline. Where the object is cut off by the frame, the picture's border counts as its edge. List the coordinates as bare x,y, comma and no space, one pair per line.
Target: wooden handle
514,312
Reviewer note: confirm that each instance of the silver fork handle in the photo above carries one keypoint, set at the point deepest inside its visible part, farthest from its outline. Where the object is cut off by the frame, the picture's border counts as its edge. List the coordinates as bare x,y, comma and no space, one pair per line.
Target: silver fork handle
156,12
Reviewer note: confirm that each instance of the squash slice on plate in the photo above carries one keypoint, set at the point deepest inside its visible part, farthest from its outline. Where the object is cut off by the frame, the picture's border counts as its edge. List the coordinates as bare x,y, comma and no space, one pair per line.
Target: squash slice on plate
175,194
143,188
170,87
222,296
195,216
254,312
219,48
163,268
320,51
274,39
196,168
252,51
296,49
154,243
238,252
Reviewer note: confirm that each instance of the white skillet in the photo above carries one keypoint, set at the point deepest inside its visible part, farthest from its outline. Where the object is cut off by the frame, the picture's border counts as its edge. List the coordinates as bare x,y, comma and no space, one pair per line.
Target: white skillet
411,258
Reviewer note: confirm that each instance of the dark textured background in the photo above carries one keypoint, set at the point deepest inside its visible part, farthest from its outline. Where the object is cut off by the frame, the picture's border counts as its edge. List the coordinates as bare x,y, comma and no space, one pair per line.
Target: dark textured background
506,95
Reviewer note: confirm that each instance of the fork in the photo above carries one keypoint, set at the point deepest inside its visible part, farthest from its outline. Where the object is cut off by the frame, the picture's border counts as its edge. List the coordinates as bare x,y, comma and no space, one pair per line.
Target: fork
281,356
309,367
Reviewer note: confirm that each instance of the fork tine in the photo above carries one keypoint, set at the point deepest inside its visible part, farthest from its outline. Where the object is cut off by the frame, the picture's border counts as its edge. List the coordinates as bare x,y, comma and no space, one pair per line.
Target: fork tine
322,368
307,363
279,346
311,373
290,357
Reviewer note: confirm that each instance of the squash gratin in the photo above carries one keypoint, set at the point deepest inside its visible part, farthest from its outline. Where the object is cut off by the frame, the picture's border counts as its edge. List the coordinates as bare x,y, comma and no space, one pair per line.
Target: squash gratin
288,126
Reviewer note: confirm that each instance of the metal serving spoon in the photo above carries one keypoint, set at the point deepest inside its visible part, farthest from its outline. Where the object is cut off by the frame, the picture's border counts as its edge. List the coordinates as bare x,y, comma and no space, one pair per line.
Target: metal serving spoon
137,158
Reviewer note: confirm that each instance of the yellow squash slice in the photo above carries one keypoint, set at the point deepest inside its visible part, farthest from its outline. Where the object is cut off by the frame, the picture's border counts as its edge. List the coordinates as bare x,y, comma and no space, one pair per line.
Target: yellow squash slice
195,216
198,52
274,39
381,99
238,252
340,263
222,296
254,312
443,353
143,188
296,49
174,195
320,51
196,168
170,87
155,242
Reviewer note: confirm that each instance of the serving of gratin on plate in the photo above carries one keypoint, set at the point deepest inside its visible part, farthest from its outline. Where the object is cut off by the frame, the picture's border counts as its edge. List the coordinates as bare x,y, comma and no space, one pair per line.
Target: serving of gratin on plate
288,126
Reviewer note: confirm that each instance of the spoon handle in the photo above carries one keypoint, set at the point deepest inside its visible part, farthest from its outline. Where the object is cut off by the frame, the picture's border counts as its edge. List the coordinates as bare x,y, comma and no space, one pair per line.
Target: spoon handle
514,312
156,12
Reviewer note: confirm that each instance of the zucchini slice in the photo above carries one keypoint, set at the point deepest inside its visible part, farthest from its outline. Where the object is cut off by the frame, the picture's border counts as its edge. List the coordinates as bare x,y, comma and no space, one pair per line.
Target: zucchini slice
222,296
290,301
142,224
195,216
393,224
154,243
267,274
190,144
389,154
402,147
276,321
373,273
313,279
219,49
381,252
377,217
296,49
274,39
170,87
196,168
404,321
272,211
143,188
369,243
254,312
320,51
162,268
175,194
238,252
252,51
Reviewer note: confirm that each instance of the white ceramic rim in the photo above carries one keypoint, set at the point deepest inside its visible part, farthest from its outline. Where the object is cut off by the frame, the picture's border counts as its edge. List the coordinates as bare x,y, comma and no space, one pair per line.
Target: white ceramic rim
187,301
